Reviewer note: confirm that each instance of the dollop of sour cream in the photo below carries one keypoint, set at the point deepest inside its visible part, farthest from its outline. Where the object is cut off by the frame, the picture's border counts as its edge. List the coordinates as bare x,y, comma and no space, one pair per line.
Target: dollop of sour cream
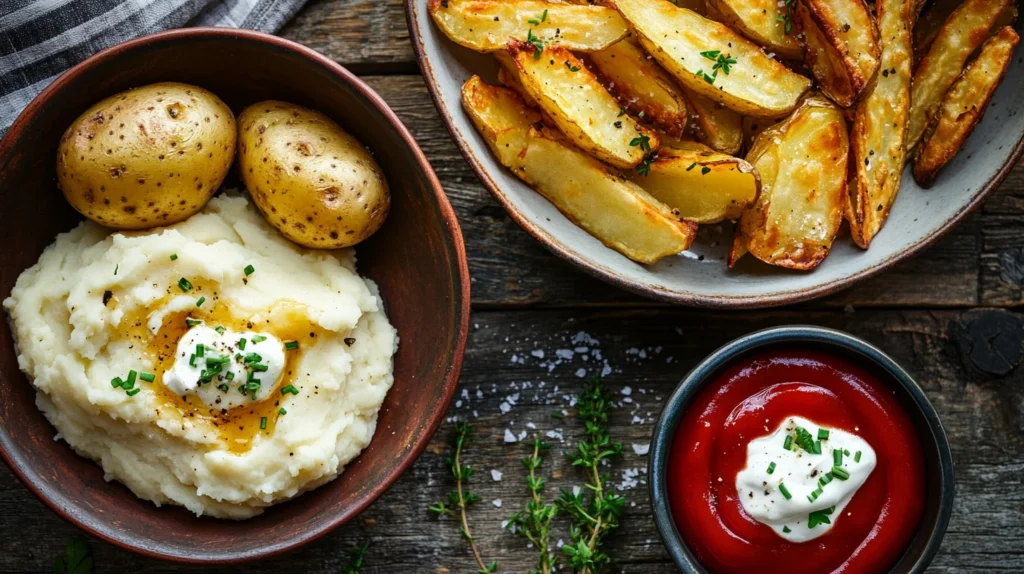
799,479
225,368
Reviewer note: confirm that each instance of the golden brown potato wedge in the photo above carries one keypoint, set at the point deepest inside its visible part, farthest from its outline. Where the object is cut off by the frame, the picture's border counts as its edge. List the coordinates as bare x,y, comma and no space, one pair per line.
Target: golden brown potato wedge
763,21
929,23
803,166
752,127
598,199
488,25
713,60
582,108
880,126
641,85
964,105
502,118
704,186
840,46
715,124
964,30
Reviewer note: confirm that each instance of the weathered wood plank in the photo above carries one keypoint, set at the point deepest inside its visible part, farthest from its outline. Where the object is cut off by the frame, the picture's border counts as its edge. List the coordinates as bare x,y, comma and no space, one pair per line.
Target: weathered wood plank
648,351
509,268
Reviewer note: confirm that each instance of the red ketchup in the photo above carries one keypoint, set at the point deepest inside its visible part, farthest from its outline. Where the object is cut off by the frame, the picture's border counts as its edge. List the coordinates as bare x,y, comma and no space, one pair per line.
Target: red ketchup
751,398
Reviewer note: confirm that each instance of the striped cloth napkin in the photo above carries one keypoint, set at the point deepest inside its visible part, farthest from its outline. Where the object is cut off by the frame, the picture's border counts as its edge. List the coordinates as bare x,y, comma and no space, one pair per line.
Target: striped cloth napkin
40,39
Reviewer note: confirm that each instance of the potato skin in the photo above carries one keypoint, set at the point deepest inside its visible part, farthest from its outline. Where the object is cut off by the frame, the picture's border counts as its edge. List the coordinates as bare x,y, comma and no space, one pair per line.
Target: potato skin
312,180
147,157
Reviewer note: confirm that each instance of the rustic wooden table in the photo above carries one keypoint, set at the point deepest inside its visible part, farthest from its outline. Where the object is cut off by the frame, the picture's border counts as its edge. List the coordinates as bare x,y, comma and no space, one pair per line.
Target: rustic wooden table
951,317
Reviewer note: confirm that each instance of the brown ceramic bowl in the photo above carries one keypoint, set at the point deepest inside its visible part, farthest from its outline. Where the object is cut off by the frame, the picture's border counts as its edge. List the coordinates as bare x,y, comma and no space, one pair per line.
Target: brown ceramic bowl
417,259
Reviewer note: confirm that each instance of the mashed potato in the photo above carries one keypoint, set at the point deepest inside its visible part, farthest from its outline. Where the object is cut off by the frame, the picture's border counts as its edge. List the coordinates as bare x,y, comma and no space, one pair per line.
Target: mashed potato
101,313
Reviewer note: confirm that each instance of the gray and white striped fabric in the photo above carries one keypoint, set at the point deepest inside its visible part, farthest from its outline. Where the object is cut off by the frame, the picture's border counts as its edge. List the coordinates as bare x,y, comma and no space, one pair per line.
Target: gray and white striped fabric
40,39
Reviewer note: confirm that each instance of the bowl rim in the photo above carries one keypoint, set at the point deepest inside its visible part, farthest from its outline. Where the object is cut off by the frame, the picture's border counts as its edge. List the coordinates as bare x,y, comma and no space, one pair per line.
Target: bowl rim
672,296
694,381
449,221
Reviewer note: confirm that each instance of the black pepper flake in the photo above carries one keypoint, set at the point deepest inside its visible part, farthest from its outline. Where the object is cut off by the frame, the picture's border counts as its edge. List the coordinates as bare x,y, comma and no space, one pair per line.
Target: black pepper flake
107,296
350,341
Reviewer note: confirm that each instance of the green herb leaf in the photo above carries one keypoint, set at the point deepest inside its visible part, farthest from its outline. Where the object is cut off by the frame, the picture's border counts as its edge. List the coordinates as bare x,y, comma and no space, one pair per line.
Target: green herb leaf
76,559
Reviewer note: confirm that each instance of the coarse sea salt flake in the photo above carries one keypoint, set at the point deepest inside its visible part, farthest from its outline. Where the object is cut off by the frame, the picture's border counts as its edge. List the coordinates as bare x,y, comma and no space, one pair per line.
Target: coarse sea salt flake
496,474
641,449
509,437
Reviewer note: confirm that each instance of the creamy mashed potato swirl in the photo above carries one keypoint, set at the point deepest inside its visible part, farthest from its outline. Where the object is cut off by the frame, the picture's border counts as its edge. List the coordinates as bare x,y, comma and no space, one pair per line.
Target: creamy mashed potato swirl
99,304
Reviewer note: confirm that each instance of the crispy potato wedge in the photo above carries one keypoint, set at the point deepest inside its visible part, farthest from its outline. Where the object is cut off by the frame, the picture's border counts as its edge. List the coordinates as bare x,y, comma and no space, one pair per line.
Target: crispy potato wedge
880,126
502,118
580,106
840,46
703,186
929,23
641,85
752,127
964,30
488,25
617,212
715,124
598,199
803,166
763,21
686,43
964,105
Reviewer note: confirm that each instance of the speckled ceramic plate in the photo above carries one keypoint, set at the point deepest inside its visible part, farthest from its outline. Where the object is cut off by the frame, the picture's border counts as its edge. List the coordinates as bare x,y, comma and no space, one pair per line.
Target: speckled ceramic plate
699,276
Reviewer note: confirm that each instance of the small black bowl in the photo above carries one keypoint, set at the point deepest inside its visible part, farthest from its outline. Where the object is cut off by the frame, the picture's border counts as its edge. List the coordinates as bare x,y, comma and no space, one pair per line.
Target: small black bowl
938,459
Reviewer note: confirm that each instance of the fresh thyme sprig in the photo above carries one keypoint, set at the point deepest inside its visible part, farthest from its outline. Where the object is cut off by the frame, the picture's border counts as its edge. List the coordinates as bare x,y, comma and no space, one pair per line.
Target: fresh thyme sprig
538,44
76,559
460,499
534,523
787,17
355,559
596,508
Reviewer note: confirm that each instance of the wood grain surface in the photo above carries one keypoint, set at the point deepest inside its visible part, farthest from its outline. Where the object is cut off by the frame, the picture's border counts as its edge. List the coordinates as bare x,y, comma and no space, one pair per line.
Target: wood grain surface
951,317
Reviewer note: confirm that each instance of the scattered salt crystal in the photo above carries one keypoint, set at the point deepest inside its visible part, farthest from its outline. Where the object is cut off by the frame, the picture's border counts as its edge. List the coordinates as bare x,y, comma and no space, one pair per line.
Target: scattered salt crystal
641,449
505,407
496,502
627,391
606,370
554,434
564,354
537,353
496,474
581,372
509,437
458,404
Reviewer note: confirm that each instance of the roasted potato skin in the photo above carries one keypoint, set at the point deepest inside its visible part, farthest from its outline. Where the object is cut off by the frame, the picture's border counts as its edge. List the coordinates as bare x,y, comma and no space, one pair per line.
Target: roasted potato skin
840,46
312,180
146,157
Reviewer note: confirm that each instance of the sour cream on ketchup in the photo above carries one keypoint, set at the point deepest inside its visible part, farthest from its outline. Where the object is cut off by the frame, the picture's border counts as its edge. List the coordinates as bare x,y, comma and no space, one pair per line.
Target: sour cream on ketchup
738,425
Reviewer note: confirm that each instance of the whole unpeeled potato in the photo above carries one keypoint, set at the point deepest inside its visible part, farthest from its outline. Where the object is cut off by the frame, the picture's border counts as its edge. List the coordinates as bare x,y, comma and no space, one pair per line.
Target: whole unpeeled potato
312,180
147,157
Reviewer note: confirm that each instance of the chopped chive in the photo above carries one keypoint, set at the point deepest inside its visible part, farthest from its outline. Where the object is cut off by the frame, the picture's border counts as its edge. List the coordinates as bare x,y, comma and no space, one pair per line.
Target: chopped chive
174,256
230,375
116,268
840,473
704,170
837,457
771,468
291,345
692,165
192,361
856,457
816,447
249,270
281,411
846,452
116,382
253,358
192,322
788,442
241,343
258,339
220,329
224,386
822,434
134,391
785,491
148,377
259,368
131,379
263,423
544,15
786,529
200,349
290,389
184,284
200,301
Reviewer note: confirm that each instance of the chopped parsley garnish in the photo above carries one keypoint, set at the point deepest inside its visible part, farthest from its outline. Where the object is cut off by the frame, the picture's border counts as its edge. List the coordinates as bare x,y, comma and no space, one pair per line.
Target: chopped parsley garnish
771,468
184,284
785,491
704,170
249,270
174,256
200,301
819,517
291,345
538,45
786,529
290,389
148,377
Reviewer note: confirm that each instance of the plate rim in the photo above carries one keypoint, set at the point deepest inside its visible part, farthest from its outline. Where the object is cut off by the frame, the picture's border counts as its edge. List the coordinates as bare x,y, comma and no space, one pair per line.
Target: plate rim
679,297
